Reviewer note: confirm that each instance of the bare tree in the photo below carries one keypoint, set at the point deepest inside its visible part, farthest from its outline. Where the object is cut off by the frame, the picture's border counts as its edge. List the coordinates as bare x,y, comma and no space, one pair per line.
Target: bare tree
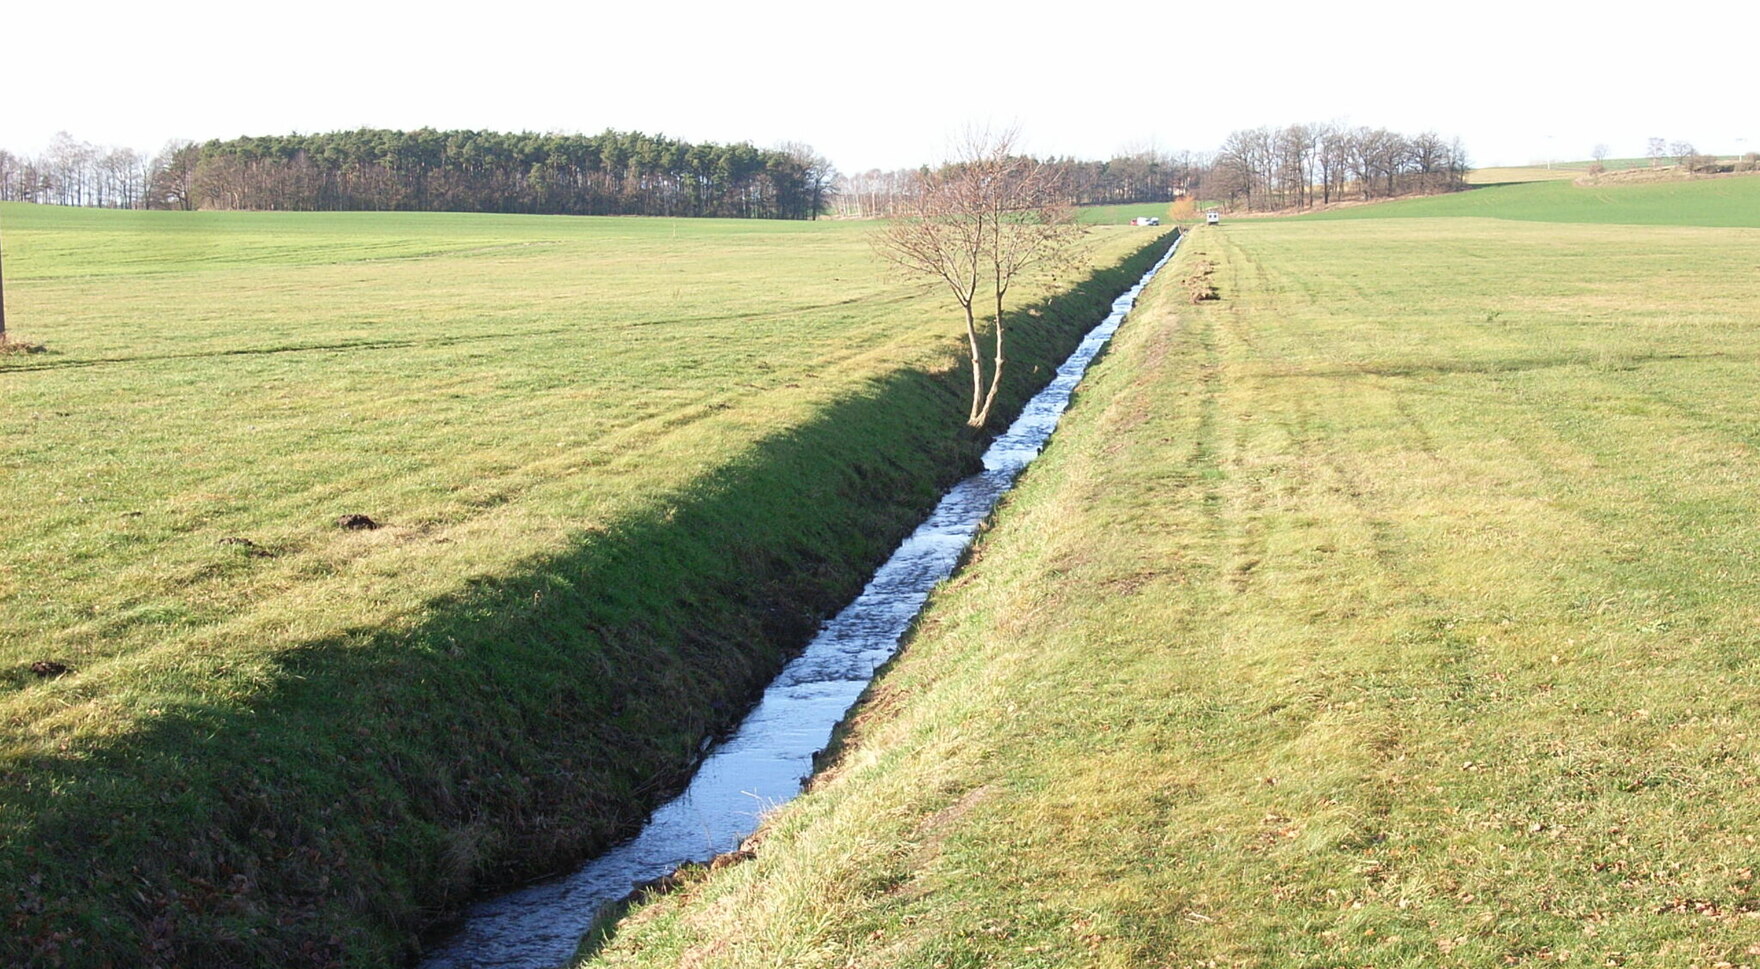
976,225
1657,148
818,174
1431,161
1297,148
171,176
1246,163
1335,157
1295,166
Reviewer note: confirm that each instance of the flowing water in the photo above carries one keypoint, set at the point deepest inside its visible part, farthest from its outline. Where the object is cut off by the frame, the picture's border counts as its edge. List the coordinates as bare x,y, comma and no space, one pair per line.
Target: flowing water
764,762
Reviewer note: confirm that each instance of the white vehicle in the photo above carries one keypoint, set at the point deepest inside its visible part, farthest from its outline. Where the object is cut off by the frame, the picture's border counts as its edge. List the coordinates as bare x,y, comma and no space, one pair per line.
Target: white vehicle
1145,220
1212,217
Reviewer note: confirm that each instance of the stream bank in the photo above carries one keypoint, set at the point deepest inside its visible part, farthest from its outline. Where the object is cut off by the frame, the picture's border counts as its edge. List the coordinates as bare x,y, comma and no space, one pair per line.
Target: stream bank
381,777
765,761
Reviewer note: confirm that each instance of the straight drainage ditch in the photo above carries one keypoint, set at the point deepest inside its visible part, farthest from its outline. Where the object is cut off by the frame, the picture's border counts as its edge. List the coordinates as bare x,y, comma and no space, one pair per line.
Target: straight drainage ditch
767,758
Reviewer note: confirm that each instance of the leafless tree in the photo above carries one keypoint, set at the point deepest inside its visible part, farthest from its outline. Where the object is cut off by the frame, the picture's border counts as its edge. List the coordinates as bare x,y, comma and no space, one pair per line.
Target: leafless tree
820,175
1244,167
872,194
1292,167
1335,155
171,176
1658,147
976,225
68,165
1297,149
18,178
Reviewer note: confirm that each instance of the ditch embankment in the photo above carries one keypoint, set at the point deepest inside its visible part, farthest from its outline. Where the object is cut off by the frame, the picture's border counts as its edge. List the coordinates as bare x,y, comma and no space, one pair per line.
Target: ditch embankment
378,780
761,764
1396,608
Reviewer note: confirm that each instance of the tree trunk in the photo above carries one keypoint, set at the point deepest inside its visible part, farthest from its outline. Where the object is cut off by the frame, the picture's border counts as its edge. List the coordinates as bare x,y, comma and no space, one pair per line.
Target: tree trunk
977,367
982,417
2,304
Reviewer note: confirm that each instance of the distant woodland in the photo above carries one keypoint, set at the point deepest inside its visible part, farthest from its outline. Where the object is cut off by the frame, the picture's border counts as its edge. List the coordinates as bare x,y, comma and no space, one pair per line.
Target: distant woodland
614,173
1301,165
1259,170
629,173
1146,175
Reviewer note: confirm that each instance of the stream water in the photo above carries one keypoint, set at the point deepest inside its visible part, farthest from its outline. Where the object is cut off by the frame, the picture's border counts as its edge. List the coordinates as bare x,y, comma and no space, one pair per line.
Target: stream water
766,759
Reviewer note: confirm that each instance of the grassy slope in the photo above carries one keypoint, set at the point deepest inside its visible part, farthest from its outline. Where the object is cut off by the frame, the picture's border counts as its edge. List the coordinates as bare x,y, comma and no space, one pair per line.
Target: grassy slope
1122,214
1729,201
1558,170
441,373
1397,610
621,466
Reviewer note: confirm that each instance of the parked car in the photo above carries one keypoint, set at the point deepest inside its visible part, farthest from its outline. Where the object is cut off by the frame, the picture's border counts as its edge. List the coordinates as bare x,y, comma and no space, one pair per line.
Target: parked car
1145,220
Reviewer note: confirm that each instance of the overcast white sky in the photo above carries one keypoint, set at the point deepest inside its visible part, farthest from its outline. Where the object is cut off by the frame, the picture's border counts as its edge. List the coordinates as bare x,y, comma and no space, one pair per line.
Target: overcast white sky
886,84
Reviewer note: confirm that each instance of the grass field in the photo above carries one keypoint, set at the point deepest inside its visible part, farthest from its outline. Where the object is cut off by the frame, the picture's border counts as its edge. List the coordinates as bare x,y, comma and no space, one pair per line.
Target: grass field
1123,214
619,466
1397,609
1545,173
1729,201
219,376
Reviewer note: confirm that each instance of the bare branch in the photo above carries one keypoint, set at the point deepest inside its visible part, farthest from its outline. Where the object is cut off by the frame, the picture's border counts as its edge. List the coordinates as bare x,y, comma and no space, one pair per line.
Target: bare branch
977,224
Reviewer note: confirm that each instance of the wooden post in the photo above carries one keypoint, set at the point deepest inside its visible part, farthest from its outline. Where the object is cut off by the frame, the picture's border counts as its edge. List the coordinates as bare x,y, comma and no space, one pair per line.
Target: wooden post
2,302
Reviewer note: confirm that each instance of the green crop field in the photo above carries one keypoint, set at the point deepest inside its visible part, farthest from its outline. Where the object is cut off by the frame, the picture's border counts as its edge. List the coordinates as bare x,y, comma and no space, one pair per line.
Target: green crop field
1399,608
1725,201
1122,214
1544,173
1522,173
617,466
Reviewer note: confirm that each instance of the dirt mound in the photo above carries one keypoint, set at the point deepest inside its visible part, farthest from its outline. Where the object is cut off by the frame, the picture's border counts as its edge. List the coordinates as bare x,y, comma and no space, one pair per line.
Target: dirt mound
1198,284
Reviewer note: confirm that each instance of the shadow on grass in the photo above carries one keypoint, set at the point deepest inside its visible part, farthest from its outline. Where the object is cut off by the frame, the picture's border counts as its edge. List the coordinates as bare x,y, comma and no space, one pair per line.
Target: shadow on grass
335,810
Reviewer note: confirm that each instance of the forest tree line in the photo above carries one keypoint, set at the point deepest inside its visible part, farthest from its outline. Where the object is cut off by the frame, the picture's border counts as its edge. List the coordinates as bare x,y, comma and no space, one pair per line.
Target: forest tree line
1301,165
1147,175
1260,169
73,172
613,173
628,173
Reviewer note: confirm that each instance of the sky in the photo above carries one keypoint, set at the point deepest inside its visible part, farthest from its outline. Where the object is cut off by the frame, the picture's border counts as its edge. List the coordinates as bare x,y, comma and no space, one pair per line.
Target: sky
873,85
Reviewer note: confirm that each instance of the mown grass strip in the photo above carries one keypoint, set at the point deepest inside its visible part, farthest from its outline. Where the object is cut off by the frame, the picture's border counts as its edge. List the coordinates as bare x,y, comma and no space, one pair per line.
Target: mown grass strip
1396,609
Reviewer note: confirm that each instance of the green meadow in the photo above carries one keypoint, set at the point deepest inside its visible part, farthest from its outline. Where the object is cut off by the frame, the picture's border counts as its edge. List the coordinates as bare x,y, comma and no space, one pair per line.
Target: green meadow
616,468
1398,608
1122,214
459,379
1729,201
1565,170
